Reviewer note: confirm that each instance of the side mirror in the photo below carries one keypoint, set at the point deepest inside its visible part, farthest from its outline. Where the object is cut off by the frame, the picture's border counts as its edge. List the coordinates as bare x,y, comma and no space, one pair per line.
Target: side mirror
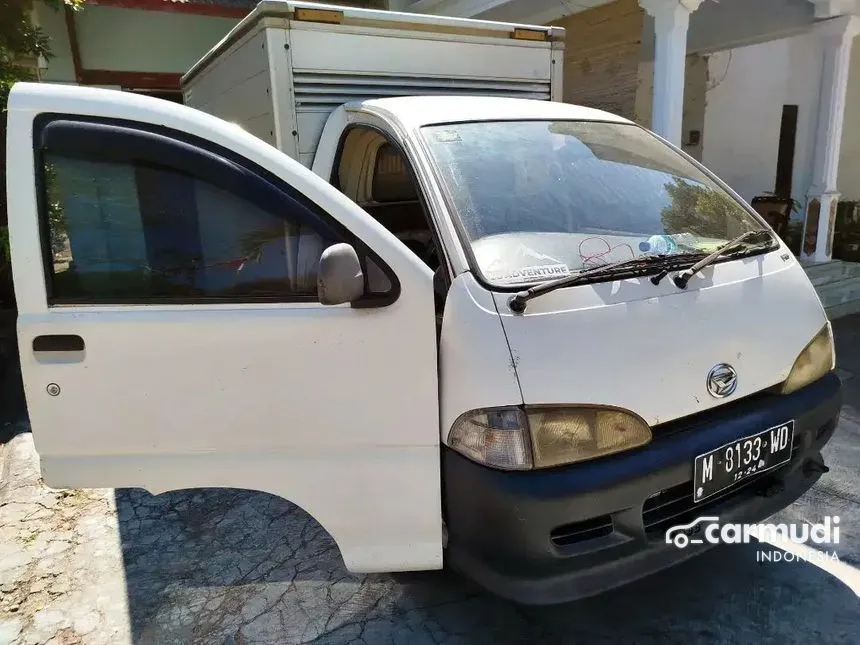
340,278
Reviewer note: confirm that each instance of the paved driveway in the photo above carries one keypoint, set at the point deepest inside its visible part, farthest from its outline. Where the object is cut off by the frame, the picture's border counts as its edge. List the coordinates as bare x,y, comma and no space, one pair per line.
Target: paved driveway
222,566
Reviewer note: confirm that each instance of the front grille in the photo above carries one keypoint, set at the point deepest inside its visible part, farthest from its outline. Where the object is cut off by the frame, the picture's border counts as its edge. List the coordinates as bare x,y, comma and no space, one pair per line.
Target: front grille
676,506
673,506
581,531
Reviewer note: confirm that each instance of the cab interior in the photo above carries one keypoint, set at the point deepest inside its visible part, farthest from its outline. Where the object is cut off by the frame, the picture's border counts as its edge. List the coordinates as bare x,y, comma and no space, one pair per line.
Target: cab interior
378,177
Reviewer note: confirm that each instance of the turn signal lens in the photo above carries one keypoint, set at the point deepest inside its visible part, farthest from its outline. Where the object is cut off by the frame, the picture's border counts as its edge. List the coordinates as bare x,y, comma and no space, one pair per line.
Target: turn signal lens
528,34
319,15
817,359
495,437
568,435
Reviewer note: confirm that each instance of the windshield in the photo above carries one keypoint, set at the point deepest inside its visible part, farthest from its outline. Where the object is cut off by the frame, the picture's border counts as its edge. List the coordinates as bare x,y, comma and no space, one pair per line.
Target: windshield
539,200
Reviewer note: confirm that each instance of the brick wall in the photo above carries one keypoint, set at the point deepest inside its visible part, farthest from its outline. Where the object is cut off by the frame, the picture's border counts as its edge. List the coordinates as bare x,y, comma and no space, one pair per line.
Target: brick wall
602,53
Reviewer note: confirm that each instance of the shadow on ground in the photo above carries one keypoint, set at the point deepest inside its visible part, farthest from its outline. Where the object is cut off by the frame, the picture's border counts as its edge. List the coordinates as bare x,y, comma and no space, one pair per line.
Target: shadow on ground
236,567
225,566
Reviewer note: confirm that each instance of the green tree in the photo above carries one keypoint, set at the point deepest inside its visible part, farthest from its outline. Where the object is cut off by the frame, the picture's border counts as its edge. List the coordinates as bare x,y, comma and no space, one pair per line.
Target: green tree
21,45
702,211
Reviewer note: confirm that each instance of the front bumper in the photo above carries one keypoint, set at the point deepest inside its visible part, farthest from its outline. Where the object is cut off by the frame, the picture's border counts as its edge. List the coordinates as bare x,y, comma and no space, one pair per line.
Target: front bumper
545,537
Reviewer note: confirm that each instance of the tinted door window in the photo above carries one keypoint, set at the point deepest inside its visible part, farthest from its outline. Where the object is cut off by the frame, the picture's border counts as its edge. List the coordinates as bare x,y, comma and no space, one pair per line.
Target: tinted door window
140,231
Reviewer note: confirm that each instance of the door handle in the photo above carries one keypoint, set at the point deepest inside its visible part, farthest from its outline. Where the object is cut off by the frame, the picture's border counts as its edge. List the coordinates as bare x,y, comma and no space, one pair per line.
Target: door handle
58,343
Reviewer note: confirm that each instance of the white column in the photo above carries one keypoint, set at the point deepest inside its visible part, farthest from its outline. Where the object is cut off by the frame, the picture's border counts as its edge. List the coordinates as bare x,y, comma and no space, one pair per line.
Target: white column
671,20
836,36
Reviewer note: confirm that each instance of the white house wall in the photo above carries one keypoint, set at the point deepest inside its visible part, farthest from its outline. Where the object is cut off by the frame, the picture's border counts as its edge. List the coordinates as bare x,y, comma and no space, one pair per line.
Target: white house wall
123,39
747,89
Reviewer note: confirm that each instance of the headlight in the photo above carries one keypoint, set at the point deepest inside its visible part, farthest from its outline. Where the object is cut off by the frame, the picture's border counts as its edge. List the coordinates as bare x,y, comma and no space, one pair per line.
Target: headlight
817,359
567,435
542,437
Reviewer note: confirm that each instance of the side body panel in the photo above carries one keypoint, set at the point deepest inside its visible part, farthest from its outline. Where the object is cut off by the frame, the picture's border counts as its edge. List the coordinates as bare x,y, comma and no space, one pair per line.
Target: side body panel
239,87
314,67
334,408
476,366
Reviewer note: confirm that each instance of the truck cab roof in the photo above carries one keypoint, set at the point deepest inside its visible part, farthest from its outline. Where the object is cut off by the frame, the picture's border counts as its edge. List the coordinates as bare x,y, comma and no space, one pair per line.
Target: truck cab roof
418,111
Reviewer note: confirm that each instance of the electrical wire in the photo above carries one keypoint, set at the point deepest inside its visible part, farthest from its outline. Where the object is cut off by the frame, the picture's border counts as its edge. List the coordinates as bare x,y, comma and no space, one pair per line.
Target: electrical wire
598,257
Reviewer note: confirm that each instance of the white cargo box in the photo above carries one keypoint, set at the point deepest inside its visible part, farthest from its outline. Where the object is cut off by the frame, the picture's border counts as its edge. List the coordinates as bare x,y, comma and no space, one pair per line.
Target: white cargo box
283,69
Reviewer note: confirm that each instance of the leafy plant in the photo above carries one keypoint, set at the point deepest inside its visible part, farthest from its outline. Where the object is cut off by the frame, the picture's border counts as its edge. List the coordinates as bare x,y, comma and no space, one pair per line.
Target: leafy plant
56,216
698,210
22,44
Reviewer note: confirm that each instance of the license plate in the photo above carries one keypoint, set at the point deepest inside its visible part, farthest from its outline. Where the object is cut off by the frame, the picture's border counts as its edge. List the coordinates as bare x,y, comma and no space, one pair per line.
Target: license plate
741,459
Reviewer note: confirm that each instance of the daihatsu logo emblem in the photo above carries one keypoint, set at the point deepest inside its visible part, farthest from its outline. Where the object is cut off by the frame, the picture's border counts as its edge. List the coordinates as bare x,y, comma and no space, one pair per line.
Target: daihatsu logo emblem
722,380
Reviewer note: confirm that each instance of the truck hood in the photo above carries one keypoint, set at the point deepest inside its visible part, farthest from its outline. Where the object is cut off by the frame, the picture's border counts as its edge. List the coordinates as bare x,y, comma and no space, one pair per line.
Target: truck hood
649,349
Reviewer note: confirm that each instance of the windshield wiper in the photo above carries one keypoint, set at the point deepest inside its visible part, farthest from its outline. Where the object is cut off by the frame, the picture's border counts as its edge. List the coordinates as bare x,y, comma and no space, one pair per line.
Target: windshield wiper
682,278
518,301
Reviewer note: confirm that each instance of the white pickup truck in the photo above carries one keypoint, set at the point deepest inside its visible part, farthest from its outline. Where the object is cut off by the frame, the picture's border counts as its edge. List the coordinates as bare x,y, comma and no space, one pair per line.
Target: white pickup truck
470,326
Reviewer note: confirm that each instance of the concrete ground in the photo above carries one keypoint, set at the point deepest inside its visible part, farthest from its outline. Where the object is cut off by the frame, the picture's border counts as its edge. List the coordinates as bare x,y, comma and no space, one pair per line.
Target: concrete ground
236,568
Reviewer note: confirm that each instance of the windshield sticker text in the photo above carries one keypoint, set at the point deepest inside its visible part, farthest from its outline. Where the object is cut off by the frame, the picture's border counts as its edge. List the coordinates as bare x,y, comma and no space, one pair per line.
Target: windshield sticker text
530,274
